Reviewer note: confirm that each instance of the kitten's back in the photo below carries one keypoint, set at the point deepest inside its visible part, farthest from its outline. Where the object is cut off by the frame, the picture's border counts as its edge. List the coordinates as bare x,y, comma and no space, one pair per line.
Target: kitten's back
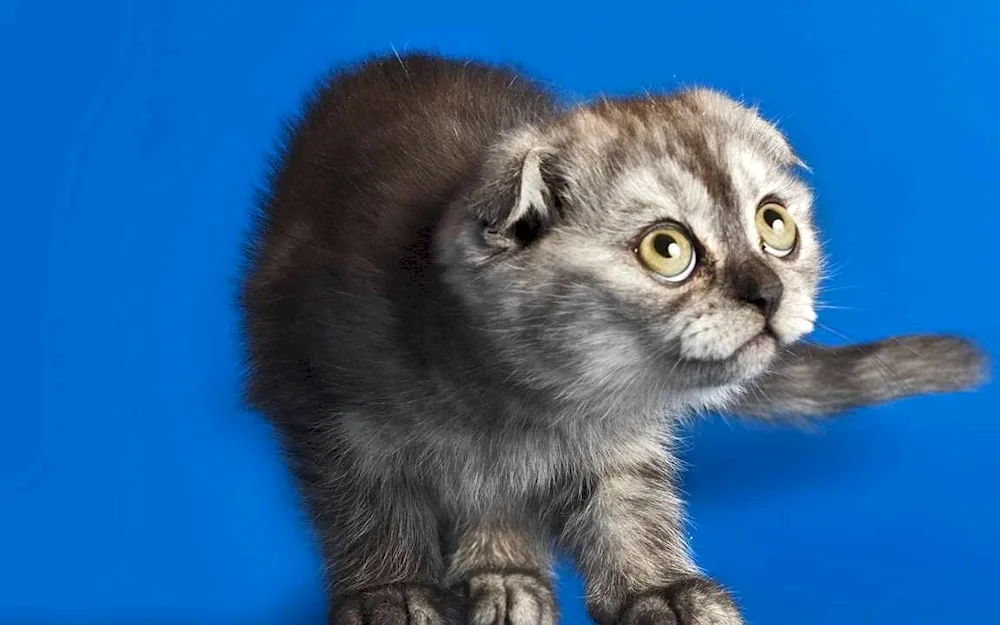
378,152
396,131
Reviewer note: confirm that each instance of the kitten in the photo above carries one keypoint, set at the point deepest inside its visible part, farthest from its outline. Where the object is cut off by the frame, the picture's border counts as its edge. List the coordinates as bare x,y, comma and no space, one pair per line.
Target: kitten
476,318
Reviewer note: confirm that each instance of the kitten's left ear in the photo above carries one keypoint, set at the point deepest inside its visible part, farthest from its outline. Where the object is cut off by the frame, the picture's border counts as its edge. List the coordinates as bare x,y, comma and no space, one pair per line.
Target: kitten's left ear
519,197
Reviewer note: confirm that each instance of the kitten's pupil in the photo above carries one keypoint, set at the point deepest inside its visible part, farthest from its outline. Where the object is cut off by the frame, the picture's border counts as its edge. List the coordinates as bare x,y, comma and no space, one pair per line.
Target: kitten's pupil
772,218
666,246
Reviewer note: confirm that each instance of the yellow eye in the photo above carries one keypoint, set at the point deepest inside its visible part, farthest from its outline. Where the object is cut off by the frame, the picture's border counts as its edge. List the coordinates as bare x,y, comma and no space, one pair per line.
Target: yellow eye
667,252
778,233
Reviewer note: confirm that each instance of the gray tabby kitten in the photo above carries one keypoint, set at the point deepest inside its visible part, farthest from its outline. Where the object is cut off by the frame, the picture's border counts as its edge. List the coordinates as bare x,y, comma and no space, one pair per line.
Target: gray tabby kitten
476,319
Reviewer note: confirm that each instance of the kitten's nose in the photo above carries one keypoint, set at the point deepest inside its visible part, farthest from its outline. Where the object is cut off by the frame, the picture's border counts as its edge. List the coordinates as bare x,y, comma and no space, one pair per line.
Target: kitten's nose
755,283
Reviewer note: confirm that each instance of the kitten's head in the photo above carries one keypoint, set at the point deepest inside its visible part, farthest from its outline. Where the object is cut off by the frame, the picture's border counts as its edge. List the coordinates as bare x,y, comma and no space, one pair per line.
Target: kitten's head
659,244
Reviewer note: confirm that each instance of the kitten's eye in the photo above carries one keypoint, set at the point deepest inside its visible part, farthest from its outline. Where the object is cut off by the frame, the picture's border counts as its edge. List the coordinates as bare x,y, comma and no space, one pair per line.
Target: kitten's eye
777,229
667,252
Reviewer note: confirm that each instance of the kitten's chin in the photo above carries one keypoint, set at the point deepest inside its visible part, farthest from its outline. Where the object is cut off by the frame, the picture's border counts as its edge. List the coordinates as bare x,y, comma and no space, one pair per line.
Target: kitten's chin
754,356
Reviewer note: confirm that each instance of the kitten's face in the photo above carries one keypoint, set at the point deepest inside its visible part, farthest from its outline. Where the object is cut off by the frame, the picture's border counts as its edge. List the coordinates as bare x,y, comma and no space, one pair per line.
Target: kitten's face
684,255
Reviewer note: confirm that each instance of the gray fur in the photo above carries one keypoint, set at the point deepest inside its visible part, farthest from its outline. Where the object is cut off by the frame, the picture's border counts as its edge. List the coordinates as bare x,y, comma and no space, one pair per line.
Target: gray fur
469,366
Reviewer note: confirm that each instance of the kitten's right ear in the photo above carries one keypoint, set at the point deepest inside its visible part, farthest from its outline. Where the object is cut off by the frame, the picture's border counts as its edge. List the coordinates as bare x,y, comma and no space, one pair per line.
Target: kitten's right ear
519,196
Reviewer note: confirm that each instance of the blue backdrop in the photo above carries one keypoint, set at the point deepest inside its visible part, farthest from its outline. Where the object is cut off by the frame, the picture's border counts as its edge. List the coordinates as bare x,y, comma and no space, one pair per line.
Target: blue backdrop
134,489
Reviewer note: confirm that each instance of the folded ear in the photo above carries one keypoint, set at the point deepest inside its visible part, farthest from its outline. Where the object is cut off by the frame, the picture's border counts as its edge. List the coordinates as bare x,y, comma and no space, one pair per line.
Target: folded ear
519,196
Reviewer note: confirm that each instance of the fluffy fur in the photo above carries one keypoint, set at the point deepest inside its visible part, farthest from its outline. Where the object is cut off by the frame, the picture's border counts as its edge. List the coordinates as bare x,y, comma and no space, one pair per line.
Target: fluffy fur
469,365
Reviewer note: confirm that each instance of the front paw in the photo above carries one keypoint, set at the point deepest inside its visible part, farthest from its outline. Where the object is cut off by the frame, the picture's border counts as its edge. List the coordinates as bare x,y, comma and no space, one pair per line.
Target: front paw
929,364
502,598
402,604
692,601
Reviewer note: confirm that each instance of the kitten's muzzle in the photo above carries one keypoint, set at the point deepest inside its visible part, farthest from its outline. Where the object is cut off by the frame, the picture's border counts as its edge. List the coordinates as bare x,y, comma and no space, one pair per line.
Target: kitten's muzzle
753,282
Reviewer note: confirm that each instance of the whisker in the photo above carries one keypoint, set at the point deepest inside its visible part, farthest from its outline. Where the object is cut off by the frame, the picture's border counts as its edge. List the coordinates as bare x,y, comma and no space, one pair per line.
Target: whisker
834,332
398,58
829,289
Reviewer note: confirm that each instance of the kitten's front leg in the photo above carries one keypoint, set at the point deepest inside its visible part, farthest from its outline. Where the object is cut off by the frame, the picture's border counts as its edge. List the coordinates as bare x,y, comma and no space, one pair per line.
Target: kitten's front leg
382,548
503,570
628,541
812,380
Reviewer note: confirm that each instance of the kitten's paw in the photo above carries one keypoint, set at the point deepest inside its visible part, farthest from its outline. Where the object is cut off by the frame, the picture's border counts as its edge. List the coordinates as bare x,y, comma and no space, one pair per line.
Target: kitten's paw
692,601
510,599
931,363
395,605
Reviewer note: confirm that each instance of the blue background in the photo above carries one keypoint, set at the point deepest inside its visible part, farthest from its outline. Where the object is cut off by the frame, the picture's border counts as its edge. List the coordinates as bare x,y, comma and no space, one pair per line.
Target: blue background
133,487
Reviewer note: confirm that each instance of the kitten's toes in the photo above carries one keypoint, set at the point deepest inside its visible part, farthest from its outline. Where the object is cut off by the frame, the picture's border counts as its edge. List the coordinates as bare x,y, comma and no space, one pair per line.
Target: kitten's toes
395,605
935,363
693,601
510,599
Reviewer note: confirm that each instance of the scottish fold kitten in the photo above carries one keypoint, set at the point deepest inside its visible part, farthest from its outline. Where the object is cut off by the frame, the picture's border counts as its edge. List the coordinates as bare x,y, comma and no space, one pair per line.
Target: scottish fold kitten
476,317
